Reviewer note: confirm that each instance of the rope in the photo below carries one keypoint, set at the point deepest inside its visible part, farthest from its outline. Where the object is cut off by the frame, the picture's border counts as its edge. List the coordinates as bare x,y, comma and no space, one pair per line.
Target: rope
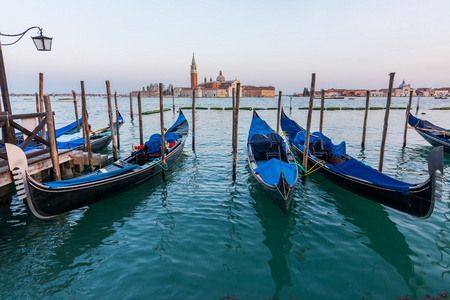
311,170
155,162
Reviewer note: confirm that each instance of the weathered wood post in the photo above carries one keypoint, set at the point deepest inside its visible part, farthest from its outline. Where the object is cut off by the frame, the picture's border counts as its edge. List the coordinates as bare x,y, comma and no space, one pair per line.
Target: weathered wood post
233,114
141,129
131,106
290,106
308,125
322,107
37,103
279,112
386,120
41,104
163,142
235,122
173,101
193,119
418,101
76,109
86,129
111,120
52,138
366,113
117,120
408,109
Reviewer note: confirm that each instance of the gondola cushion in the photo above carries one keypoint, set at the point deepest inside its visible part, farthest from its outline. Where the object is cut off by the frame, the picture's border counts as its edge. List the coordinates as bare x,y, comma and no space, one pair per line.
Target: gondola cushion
154,143
270,172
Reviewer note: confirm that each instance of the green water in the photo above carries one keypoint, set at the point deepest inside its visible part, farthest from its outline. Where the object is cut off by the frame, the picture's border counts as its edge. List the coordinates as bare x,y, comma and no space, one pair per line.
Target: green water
198,235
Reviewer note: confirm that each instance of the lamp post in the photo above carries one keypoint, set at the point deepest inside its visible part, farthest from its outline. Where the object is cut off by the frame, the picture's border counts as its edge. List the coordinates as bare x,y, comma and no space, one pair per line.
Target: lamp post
42,43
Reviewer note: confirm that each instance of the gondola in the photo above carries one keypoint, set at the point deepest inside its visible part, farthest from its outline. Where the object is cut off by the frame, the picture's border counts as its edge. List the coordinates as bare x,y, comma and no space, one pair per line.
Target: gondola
335,165
435,135
271,162
46,200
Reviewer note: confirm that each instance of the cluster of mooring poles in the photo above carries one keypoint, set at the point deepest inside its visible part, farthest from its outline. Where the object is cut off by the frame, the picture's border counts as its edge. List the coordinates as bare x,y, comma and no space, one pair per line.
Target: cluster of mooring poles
385,125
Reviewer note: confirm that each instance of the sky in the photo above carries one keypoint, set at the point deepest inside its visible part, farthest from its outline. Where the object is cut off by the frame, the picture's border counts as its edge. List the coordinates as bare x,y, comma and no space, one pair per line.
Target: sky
351,44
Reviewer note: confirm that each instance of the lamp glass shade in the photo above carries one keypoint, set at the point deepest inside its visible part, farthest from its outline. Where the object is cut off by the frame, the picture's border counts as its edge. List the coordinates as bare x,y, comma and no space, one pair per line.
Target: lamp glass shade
42,43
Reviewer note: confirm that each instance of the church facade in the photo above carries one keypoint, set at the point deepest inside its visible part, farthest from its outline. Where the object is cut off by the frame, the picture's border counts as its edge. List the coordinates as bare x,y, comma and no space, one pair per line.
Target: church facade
220,88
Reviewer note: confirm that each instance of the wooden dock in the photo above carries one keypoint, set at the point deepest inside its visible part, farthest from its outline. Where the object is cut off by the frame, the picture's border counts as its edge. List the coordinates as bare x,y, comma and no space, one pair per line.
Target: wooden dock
72,164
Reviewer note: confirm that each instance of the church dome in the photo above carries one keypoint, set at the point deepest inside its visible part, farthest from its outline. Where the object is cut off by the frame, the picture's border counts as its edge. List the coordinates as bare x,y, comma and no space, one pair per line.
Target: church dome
220,78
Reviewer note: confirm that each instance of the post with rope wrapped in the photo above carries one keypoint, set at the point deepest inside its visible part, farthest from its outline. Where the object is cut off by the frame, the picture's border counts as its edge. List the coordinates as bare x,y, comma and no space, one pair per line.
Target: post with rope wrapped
322,107
111,121
279,111
117,120
235,123
408,109
193,119
86,129
76,109
163,143
386,120
141,133
366,112
308,125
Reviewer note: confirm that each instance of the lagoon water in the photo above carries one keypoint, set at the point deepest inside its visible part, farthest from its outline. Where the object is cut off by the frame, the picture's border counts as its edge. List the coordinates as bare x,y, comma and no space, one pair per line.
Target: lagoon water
198,235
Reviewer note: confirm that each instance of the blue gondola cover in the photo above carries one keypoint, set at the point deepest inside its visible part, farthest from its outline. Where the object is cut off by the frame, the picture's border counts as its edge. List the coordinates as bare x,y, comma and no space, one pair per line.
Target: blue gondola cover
354,168
87,179
154,143
270,171
316,137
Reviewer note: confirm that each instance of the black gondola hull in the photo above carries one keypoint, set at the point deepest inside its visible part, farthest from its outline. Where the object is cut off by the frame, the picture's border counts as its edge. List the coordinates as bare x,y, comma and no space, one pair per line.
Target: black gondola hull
48,202
419,202
434,141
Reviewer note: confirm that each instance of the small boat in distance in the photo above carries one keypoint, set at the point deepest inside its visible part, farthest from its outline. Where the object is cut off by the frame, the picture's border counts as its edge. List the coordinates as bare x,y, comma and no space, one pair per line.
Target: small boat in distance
27,98
435,135
342,169
271,162
49,199
441,97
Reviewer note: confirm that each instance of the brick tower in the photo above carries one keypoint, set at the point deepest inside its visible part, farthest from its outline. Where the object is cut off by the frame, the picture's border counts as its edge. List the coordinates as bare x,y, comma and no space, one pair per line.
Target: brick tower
194,82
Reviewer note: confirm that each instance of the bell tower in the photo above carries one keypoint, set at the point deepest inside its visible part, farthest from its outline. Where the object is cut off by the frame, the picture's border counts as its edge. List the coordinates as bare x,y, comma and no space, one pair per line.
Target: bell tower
194,81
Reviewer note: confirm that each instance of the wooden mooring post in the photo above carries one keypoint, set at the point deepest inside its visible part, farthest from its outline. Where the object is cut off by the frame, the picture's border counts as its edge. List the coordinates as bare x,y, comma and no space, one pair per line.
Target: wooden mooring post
141,129
232,118
41,103
408,109
290,106
366,113
117,120
163,131
386,120
86,129
131,106
193,119
322,107
111,120
37,103
279,112
52,138
235,123
76,109
308,124
418,102
173,101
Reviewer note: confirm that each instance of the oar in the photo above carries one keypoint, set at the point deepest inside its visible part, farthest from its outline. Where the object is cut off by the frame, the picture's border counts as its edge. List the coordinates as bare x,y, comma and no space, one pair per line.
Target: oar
431,130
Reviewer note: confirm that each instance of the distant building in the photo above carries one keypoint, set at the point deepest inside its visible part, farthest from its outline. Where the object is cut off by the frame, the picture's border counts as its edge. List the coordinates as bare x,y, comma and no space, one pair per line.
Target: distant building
404,90
220,88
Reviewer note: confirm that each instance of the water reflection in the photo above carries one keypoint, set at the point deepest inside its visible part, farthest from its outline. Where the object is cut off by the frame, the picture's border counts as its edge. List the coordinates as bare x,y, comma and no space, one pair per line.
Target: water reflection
443,244
384,237
278,231
166,223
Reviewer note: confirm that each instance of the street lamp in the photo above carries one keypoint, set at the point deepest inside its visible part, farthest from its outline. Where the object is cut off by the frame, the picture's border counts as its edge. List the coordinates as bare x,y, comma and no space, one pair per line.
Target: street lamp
42,43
